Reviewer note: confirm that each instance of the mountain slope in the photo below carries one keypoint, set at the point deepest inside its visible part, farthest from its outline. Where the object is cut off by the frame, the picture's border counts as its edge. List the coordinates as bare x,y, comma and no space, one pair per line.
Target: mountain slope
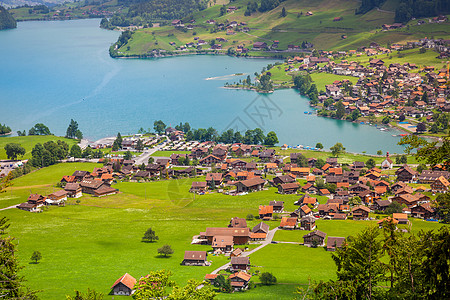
6,20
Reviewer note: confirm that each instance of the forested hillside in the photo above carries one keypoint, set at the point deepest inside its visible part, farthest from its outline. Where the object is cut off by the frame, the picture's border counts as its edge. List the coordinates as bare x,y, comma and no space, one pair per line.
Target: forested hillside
421,8
6,20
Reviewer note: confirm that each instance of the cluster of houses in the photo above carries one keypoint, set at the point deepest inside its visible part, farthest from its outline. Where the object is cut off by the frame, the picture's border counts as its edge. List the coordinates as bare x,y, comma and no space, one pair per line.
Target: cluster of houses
96,183
391,90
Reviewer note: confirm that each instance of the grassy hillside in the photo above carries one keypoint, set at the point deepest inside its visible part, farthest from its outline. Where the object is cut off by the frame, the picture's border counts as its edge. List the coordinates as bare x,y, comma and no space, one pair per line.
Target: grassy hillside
94,243
28,143
320,28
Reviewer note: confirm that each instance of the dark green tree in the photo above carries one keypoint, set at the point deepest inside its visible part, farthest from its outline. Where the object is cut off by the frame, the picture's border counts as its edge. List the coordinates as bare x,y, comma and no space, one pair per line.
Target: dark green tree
271,139
159,127
14,150
337,149
150,236
267,278
75,151
36,256
165,250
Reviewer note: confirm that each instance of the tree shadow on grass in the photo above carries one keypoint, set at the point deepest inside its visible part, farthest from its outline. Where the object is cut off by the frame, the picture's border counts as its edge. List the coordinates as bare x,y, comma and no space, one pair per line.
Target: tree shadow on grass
162,256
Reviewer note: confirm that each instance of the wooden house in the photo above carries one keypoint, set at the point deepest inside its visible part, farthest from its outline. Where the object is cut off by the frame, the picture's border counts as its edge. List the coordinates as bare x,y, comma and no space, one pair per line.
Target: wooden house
314,239
360,212
278,206
400,217
406,174
240,263
250,185
308,223
423,211
198,187
265,212
237,223
240,236
195,258
33,204
288,188
239,280
57,198
124,286
335,242
288,223
440,185
222,244
236,252
73,190
214,179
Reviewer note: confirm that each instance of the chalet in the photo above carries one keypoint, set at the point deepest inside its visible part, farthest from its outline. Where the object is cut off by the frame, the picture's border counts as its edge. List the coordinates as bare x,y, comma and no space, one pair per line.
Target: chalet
340,216
73,190
267,154
222,244
407,199
357,188
360,212
250,185
308,223
335,242
152,169
283,179
332,161
430,176
176,22
124,286
80,175
141,175
376,63
278,206
406,174
209,160
305,200
240,263
34,203
381,204
90,186
328,209
240,280
105,191
261,228
288,188
237,223
259,45
440,185
265,212
315,239
309,188
195,258
198,187
401,218
67,179
219,153
240,236
214,179
288,223
423,211
300,172
57,198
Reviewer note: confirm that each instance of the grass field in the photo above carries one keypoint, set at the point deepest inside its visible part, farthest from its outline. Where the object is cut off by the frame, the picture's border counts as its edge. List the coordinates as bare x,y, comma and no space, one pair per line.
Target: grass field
28,143
169,153
94,243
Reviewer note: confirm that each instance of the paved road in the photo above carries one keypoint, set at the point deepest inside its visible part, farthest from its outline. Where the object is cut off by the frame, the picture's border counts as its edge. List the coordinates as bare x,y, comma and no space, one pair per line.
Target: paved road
143,158
263,244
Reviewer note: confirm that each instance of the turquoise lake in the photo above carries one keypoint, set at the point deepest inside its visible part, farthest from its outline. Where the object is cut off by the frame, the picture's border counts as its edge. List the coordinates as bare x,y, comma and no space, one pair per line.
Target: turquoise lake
51,72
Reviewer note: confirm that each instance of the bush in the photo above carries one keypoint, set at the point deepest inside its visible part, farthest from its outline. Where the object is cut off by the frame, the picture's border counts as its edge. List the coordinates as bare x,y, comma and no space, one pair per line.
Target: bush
267,278
250,217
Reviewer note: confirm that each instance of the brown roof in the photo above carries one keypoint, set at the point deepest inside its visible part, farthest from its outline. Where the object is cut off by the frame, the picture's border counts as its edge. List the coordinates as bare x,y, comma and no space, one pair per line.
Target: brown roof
59,193
238,223
334,241
365,208
214,176
242,275
195,255
198,184
128,280
315,232
222,241
252,182
215,231
239,260
261,226
72,186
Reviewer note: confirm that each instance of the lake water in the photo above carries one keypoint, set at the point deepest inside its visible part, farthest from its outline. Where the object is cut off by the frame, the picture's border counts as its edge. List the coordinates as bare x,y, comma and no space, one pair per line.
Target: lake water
52,72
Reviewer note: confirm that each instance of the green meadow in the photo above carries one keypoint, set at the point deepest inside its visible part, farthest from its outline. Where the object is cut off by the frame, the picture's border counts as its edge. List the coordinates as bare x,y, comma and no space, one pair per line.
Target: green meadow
28,143
91,244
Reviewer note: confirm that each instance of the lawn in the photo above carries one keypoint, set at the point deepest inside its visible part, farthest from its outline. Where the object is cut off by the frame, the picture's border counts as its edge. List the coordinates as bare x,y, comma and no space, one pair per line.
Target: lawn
28,142
169,153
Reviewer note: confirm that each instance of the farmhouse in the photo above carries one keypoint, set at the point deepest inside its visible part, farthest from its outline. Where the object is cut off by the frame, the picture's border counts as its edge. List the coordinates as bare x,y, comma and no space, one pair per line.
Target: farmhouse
240,236
406,174
315,239
34,203
288,188
308,223
198,186
73,190
278,206
195,258
240,280
440,185
222,244
237,223
124,285
265,212
57,198
250,185
360,212
240,263
288,223
423,211
335,242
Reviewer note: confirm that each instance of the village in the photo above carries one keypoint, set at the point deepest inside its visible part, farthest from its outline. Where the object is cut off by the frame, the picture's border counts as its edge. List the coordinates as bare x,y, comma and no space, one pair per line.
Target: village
325,190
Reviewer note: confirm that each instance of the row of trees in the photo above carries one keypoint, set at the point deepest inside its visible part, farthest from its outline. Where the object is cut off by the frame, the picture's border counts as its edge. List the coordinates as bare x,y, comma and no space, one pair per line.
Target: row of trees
306,87
408,9
252,136
415,266
49,153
